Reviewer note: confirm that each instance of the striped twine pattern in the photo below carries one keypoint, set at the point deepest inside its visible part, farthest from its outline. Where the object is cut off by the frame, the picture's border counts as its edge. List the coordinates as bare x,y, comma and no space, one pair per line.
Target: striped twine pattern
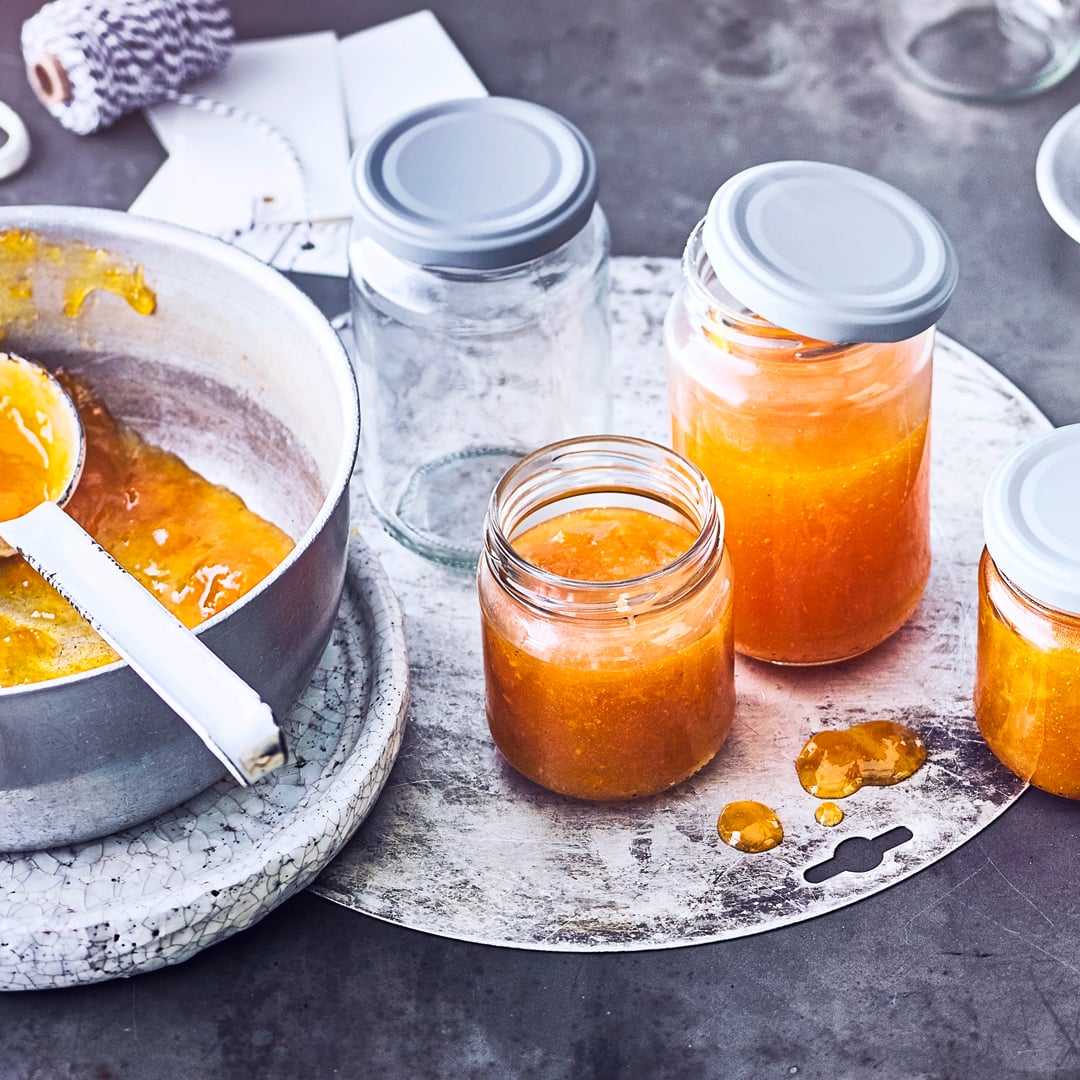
121,55
260,124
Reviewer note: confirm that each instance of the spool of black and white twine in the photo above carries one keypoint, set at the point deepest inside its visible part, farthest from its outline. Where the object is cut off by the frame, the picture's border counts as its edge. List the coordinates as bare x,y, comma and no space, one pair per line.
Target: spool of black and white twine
92,61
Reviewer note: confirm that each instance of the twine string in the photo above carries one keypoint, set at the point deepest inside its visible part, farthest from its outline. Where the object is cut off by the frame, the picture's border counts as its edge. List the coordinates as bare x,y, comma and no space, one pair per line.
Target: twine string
93,61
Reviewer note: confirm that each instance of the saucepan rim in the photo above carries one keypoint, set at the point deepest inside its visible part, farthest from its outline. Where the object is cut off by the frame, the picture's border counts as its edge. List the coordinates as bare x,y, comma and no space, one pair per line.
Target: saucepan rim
117,226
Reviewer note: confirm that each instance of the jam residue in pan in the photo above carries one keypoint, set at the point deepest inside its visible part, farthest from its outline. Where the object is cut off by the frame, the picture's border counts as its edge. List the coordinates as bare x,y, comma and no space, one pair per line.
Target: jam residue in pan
194,544
85,269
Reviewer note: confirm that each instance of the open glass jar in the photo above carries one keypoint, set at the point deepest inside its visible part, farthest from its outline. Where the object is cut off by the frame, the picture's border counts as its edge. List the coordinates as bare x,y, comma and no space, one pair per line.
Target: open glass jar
479,298
605,598
1027,681
799,371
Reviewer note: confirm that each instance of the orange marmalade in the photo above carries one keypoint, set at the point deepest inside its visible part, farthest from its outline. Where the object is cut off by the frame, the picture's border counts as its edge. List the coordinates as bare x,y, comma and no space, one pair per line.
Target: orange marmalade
1027,668
607,628
800,343
38,439
1027,684
820,456
194,544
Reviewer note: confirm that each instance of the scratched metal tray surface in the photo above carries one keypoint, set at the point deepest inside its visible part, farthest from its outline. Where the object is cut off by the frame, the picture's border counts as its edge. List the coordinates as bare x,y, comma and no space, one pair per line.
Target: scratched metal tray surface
460,845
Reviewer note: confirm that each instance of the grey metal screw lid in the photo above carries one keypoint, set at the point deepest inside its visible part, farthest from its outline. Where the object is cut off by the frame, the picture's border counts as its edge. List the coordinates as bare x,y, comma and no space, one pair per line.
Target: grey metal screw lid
829,251
1031,518
478,183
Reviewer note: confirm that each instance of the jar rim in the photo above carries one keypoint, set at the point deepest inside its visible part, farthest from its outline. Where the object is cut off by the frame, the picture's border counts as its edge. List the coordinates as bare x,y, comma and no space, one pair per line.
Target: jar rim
714,304
554,593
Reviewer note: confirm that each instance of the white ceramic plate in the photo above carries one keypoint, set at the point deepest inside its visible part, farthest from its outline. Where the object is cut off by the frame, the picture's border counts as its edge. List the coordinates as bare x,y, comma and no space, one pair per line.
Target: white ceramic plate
1057,172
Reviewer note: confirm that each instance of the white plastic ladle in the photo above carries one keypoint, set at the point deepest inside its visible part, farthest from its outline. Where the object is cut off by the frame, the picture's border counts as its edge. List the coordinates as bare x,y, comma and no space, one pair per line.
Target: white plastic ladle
223,710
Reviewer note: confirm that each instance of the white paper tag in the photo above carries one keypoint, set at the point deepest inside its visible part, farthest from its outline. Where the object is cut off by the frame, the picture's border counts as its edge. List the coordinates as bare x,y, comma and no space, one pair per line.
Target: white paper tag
227,176
400,66
225,172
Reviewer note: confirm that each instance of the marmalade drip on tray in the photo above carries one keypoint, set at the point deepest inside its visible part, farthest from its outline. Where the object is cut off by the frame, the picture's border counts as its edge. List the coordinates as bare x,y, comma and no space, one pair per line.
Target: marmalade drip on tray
835,764
751,826
831,765
192,543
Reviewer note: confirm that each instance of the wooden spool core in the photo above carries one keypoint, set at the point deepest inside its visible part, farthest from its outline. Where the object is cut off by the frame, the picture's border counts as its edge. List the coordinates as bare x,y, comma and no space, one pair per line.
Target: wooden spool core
49,80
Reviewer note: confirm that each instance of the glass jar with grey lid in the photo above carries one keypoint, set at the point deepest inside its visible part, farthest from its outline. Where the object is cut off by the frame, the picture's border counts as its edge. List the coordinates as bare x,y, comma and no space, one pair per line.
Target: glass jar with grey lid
479,288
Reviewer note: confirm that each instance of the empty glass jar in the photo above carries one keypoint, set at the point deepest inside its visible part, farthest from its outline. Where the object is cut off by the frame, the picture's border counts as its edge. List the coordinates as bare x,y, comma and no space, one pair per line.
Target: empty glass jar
985,50
479,284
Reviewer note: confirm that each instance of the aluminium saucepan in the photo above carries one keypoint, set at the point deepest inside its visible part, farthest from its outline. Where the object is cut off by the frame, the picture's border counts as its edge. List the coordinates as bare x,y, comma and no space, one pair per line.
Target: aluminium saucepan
239,373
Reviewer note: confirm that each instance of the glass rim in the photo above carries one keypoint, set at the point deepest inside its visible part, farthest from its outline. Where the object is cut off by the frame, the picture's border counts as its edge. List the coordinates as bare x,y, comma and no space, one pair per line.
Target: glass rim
619,598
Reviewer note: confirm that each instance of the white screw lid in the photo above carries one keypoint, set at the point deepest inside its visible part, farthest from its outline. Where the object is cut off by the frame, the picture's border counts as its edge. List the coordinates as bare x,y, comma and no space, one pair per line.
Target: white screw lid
828,251
477,183
1031,518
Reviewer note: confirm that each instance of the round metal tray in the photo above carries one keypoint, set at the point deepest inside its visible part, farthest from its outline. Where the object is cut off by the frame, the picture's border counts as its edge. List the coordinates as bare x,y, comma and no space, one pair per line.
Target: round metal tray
460,845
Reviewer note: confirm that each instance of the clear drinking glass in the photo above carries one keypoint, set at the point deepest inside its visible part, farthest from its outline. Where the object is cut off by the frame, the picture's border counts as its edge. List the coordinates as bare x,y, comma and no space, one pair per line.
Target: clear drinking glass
990,51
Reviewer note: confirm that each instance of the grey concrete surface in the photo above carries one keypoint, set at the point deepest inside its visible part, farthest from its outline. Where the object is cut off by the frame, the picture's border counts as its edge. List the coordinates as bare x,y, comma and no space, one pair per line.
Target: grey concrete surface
969,969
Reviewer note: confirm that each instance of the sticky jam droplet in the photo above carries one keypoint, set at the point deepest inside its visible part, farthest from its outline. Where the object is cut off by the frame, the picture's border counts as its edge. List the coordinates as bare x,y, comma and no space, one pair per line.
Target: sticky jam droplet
84,269
828,814
835,764
749,826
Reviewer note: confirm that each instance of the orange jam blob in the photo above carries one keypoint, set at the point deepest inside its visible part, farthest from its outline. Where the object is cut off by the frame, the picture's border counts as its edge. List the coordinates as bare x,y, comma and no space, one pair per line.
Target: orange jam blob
1027,684
749,826
192,543
617,706
820,457
604,544
38,440
84,269
835,764
829,815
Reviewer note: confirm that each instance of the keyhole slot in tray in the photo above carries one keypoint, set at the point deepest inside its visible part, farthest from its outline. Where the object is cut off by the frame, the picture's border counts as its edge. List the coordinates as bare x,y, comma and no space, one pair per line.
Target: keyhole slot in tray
858,855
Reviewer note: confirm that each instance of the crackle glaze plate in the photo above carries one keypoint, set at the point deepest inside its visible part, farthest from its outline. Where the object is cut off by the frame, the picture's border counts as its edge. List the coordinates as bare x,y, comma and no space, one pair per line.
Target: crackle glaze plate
159,893
460,845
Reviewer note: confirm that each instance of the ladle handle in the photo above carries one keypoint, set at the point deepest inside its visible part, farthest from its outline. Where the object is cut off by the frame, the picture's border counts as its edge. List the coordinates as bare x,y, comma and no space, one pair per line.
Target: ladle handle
226,713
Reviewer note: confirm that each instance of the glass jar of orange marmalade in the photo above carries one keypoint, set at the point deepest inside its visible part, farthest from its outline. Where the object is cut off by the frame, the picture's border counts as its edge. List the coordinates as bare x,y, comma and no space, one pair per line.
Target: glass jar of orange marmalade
606,609
799,372
1027,674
